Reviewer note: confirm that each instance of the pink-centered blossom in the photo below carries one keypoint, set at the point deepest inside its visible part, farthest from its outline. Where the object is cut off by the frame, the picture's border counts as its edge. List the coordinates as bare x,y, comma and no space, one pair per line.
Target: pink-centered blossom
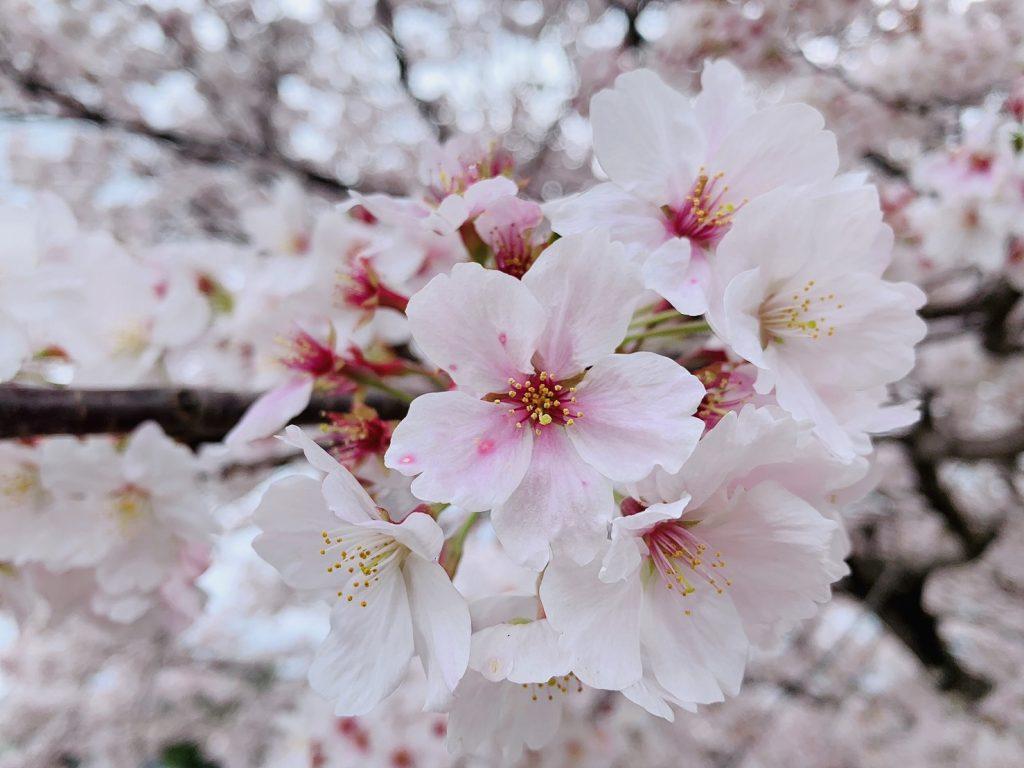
681,170
735,548
546,415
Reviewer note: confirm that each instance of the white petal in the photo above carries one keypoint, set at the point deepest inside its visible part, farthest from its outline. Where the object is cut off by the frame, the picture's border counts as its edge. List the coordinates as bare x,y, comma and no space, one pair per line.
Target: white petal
589,290
679,275
646,137
559,499
521,653
776,548
292,514
441,628
723,102
315,455
627,218
465,451
647,694
637,414
483,193
347,498
366,655
599,622
475,718
481,326
272,410
697,658
783,144
419,532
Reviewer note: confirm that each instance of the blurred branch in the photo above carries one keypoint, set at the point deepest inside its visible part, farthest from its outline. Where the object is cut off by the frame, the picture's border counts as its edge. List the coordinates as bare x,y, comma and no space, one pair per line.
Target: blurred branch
205,151
925,461
895,103
886,166
192,416
385,15
632,9
901,608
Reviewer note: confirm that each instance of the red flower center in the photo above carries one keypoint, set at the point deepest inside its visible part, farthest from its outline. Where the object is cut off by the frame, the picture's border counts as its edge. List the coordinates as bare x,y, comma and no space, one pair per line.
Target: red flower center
704,215
539,401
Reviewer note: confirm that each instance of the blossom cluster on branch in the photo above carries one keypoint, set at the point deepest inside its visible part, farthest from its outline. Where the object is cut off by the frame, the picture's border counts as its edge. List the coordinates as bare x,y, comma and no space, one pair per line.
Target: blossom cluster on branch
486,473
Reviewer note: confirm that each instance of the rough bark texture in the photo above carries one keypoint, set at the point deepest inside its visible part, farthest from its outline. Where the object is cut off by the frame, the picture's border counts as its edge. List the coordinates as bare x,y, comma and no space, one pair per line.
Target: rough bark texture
191,415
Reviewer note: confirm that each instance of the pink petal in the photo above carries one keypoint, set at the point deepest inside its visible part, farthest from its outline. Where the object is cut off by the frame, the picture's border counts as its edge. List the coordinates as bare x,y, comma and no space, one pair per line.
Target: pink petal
559,499
589,290
481,326
637,414
465,451
272,411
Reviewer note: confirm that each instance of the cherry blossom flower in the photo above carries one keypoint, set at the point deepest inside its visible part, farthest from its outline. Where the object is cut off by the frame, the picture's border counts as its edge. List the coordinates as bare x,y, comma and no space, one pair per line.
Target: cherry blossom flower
128,514
546,416
463,178
734,548
509,227
809,309
681,170
391,598
519,676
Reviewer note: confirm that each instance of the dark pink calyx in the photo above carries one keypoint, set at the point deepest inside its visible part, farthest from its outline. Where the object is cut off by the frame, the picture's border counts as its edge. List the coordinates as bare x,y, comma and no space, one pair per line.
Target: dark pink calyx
307,355
357,435
361,287
630,506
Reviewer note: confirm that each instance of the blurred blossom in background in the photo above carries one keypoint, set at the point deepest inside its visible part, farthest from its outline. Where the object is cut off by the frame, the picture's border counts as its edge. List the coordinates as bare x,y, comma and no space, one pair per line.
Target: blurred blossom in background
137,137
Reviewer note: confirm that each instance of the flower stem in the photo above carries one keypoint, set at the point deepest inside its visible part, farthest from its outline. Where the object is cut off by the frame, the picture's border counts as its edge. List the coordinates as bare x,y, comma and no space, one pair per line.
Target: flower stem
687,329
374,383
657,317
451,554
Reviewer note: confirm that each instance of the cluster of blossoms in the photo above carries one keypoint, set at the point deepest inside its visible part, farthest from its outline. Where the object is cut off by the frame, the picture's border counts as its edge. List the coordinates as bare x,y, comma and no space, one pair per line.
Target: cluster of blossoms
964,205
662,512
511,476
635,414
115,530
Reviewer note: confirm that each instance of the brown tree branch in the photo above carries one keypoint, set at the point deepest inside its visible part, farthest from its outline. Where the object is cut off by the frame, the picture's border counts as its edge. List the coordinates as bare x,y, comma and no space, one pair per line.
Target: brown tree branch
192,416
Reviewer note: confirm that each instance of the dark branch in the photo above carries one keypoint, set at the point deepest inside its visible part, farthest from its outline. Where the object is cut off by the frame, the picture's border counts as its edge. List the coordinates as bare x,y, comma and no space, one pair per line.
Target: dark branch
902,610
632,9
192,416
385,16
886,166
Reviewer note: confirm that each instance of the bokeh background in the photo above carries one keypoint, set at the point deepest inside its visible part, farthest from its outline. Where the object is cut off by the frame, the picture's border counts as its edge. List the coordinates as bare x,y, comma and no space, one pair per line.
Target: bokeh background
170,121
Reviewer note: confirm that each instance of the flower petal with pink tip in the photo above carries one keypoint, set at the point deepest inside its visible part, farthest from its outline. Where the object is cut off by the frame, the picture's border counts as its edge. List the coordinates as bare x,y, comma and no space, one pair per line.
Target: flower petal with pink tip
272,410
465,451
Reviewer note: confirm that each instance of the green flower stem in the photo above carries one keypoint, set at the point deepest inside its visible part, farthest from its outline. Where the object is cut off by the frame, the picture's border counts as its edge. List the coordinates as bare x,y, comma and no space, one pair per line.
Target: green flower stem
451,553
688,329
374,383
658,317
